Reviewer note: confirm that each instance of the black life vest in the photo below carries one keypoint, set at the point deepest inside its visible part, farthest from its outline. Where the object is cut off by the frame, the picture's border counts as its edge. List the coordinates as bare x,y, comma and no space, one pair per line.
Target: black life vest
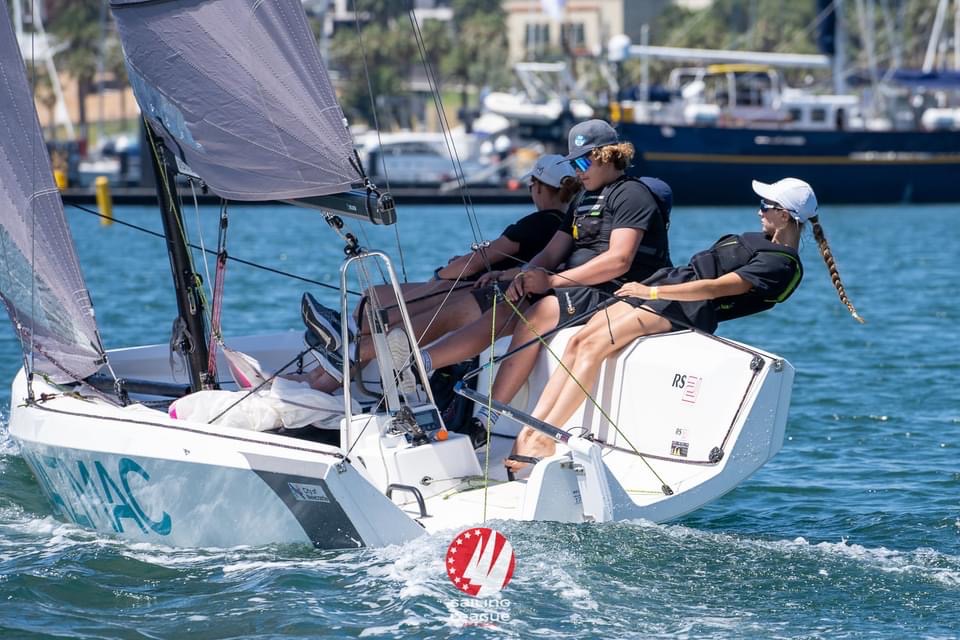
603,215
731,252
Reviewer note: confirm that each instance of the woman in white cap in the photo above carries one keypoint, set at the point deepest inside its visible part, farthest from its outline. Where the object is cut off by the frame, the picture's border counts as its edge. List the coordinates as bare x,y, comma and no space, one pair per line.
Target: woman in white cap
463,290
739,275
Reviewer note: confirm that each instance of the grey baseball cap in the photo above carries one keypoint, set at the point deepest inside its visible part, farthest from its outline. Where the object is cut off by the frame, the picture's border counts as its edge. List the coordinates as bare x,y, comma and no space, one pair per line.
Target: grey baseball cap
587,136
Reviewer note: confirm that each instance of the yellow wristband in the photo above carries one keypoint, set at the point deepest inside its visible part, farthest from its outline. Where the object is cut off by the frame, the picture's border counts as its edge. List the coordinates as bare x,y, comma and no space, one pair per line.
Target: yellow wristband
654,293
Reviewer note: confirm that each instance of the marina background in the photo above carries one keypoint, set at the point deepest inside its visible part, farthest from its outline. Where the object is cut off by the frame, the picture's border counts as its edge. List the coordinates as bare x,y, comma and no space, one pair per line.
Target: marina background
852,531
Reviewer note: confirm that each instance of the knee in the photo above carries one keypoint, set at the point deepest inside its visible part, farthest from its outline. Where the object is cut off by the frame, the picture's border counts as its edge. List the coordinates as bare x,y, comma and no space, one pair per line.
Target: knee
589,344
575,344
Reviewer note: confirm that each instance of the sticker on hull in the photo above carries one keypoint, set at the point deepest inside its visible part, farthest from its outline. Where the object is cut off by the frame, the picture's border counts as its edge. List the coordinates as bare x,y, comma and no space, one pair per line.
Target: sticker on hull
95,494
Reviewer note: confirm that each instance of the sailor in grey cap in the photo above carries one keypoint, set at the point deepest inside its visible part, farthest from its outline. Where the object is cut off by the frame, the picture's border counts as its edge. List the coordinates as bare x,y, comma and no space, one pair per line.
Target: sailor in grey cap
613,233
587,136
616,232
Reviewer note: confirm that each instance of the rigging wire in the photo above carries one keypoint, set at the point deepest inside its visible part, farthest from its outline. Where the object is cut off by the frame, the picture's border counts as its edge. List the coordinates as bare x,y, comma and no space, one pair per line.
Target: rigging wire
447,135
203,249
29,360
376,127
285,274
584,390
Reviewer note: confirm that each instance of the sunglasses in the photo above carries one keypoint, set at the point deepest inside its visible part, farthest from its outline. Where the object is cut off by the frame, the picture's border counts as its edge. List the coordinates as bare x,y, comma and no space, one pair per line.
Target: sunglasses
767,206
581,164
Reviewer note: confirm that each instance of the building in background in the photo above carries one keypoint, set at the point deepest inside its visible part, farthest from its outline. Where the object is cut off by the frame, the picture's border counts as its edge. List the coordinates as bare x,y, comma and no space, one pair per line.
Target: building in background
578,27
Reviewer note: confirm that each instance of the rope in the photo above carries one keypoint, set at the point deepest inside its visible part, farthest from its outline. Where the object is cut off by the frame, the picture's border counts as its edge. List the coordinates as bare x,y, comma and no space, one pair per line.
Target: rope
216,336
454,287
489,425
261,385
255,265
447,136
586,393
376,127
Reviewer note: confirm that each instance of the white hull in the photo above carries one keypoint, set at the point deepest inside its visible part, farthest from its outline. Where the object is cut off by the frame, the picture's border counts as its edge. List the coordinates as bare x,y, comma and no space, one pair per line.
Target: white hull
520,109
138,473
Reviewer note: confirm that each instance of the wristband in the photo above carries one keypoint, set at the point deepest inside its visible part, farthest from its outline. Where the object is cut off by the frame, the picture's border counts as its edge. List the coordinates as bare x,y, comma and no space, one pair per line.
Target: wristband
654,293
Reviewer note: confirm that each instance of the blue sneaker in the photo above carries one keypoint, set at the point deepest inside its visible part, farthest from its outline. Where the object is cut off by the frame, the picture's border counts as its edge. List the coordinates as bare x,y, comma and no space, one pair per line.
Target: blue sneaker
322,322
326,324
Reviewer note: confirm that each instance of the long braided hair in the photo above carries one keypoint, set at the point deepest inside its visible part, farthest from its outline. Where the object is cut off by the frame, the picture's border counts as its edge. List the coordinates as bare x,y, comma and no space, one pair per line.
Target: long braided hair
827,254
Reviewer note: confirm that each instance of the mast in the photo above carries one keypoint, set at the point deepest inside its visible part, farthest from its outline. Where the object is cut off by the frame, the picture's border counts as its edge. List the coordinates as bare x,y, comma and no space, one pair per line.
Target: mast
190,331
930,58
840,50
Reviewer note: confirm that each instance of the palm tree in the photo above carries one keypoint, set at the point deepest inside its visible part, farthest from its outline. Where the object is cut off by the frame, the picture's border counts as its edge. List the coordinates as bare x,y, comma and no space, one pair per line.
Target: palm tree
77,22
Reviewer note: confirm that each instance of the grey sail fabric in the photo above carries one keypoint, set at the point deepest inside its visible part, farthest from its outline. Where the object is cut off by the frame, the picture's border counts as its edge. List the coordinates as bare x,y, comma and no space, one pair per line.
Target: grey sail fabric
40,280
238,91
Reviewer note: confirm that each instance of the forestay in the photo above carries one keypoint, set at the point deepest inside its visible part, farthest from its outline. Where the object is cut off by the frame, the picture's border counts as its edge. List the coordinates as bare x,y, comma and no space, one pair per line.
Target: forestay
40,279
239,92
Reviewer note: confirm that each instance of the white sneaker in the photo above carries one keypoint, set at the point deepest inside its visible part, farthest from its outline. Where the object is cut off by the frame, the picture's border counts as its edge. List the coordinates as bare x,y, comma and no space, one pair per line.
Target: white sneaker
400,354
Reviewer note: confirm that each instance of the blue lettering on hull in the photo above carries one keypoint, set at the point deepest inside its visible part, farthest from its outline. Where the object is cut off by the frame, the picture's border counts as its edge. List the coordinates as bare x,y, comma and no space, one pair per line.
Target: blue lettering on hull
98,500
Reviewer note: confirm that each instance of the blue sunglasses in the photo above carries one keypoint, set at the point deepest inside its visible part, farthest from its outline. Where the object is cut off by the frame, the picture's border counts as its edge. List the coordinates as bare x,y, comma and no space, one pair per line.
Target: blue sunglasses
582,163
767,206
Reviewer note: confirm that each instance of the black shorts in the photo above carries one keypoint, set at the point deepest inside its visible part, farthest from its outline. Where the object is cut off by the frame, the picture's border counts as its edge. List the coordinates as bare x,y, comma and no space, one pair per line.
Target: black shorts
485,296
577,304
682,315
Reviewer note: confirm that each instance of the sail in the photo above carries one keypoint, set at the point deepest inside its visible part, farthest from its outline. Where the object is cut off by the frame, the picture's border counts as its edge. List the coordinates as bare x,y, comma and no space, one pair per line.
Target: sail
40,280
238,91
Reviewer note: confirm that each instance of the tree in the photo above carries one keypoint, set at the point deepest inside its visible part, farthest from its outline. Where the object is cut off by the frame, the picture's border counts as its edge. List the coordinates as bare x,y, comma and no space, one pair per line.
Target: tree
479,56
377,63
78,23
45,95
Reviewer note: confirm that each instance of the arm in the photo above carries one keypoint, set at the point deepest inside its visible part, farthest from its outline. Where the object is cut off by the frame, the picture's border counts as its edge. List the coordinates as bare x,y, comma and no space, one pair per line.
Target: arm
559,247
611,264
535,272
729,284
473,262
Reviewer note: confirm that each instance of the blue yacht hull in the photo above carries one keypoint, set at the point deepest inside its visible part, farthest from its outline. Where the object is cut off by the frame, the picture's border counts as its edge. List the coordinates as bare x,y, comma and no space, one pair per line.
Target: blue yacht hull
713,165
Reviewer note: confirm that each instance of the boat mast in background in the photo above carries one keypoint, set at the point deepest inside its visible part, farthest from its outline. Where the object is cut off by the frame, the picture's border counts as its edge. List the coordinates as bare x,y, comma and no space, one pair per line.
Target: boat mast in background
833,40
930,58
36,46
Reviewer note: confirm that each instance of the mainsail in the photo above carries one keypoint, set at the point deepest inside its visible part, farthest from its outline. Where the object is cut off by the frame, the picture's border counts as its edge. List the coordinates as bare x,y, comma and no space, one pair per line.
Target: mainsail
40,279
239,93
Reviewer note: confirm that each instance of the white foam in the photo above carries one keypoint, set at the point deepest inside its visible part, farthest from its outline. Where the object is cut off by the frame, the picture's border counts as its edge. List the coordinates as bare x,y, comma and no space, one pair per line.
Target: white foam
8,446
923,562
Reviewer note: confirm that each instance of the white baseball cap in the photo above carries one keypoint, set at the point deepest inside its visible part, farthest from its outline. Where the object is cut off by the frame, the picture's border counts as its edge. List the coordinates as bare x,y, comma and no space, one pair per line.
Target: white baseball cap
795,196
550,169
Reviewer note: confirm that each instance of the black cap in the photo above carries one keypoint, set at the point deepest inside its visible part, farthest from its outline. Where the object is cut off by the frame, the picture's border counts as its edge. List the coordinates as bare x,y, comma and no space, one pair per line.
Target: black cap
587,136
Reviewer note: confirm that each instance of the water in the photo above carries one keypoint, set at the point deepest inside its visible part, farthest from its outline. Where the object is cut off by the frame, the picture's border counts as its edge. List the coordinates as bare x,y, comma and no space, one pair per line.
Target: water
852,531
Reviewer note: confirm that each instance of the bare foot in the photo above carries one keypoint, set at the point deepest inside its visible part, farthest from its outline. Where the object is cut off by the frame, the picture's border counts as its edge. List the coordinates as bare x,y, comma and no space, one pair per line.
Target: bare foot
533,444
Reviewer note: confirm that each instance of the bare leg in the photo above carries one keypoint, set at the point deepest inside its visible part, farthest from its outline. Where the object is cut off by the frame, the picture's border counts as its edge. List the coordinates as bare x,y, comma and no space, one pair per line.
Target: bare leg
420,297
584,356
514,371
459,310
471,339
317,378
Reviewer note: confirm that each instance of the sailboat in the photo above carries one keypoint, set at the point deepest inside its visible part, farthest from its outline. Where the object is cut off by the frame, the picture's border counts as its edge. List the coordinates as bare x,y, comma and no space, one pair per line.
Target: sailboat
235,95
